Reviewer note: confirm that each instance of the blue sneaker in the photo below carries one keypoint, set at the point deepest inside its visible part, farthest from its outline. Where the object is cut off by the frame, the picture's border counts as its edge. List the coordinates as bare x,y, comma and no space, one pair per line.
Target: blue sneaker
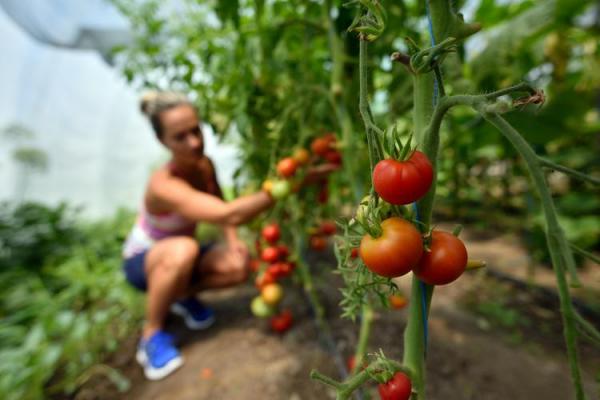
158,356
195,314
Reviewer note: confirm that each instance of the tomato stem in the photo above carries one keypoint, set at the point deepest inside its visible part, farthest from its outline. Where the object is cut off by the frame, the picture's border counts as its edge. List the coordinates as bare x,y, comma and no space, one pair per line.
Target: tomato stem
560,253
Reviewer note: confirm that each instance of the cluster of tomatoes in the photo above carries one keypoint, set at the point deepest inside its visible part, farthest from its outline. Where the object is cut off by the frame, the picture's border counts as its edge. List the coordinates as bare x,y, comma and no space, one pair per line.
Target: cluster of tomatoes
271,267
401,248
324,149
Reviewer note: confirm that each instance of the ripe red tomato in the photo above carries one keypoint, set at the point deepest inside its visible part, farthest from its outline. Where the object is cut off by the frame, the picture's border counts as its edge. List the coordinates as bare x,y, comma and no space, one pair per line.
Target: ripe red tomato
284,252
285,269
445,262
328,227
396,251
354,252
318,243
321,145
334,157
286,167
397,388
280,269
282,322
265,279
271,233
403,182
269,254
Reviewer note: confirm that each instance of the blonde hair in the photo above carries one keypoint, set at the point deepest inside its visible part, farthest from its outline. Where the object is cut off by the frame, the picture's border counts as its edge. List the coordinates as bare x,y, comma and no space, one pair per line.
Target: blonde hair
152,103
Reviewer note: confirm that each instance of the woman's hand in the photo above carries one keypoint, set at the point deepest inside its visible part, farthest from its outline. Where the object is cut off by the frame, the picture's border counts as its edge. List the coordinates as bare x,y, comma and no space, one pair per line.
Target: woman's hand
239,248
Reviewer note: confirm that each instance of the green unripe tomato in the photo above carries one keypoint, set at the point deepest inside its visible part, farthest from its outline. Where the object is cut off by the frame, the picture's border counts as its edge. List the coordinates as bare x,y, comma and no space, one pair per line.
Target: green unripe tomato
280,189
261,309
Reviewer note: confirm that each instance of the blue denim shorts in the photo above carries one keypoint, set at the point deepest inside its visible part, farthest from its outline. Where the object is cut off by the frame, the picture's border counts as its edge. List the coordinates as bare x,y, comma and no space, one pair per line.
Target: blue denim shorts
135,273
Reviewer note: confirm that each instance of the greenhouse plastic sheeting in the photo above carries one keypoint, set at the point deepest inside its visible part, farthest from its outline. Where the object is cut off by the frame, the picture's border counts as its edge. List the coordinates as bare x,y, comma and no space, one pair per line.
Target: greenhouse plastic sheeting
80,24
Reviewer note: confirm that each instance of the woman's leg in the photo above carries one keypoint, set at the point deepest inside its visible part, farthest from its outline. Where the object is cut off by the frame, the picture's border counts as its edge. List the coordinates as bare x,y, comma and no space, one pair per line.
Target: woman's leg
168,266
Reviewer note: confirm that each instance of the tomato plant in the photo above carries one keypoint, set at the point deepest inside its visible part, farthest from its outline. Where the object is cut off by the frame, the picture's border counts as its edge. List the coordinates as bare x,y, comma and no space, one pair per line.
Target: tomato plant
271,233
403,182
445,261
397,388
396,251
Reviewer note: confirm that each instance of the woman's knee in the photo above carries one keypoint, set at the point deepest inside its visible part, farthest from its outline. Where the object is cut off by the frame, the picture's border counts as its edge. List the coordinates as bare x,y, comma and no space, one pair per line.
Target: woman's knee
175,255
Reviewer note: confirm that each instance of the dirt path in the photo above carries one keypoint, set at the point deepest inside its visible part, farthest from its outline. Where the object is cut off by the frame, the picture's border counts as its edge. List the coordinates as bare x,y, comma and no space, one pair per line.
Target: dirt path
468,358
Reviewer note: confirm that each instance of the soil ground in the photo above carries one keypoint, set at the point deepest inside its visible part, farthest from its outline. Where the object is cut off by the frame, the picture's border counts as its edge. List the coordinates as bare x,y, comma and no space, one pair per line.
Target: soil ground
488,340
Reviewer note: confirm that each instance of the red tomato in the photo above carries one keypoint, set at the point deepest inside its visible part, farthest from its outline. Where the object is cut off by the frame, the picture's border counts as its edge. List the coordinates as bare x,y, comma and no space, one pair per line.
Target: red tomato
285,269
397,301
403,182
282,322
318,243
280,269
354,252
334,157
271,233
287,167
397,388
445,262
328,228
396,251
269,254
264,279
284,251
321,145
302,156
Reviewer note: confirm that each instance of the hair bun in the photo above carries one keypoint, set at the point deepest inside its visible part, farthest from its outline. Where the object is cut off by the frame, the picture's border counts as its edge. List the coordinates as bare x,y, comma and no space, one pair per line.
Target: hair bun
147,102
154,102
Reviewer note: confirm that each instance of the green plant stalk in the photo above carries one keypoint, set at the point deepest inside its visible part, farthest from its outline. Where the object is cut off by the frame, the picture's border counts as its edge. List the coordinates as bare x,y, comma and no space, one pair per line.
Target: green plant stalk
375,150
554,237
344,389
585,253
363,338
576,174
414,341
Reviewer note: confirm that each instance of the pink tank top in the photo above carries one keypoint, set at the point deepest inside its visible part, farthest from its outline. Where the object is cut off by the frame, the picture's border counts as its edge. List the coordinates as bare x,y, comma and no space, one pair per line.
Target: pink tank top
149,228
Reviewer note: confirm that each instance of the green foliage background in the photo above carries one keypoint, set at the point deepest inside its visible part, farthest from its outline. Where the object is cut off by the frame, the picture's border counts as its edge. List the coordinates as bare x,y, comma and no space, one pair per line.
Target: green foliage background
271,75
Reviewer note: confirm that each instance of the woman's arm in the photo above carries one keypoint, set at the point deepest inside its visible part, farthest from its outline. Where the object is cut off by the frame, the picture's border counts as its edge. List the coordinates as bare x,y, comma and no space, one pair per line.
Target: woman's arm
177,195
